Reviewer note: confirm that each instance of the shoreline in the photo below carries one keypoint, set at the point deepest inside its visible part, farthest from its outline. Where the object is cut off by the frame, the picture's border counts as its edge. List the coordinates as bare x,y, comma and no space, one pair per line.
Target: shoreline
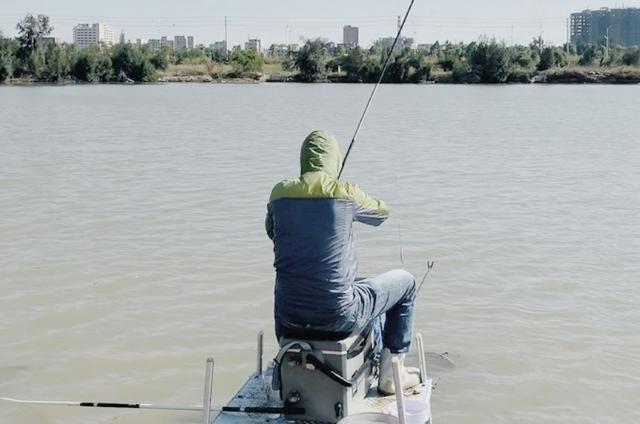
565,76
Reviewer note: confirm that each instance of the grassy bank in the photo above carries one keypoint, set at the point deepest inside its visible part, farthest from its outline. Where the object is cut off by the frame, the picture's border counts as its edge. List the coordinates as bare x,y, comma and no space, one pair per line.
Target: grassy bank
591,75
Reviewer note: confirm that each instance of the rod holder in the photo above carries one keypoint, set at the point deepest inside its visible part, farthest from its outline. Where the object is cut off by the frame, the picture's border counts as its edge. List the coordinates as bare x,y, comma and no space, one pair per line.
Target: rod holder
260,353
397,381
421,358
208,392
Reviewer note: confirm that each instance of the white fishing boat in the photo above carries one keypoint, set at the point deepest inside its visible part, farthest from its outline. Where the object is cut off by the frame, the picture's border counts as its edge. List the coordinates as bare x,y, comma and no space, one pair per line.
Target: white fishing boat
319,381
309,381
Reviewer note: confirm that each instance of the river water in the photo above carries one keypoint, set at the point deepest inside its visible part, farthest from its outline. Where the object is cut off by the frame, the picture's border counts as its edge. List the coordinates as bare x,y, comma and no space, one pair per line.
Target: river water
132,243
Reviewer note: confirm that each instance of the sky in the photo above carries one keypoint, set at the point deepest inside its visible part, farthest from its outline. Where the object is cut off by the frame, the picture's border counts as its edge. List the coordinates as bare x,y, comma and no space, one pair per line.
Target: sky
290,21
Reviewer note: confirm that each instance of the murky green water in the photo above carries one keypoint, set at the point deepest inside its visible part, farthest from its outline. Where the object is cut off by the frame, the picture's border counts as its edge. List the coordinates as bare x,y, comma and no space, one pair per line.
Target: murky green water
132,243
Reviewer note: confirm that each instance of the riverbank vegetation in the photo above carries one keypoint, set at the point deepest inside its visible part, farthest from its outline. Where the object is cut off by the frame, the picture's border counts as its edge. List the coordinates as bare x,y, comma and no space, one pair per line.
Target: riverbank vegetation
486,61
30,58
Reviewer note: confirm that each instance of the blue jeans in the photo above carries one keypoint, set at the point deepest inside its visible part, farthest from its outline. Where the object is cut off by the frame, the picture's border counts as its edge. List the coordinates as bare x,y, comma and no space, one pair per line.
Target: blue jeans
389,297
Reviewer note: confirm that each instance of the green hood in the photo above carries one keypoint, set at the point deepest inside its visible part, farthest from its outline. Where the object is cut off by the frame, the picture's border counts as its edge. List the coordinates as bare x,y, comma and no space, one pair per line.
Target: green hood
320,152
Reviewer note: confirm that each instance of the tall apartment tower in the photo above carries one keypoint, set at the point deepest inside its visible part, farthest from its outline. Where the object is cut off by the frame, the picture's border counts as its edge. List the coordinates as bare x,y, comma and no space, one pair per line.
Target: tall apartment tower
350,36
590,27
254,44
179,42
190,42
85,35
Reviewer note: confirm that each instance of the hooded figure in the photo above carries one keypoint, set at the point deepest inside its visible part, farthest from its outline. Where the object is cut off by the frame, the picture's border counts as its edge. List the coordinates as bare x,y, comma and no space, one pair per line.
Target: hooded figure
310,222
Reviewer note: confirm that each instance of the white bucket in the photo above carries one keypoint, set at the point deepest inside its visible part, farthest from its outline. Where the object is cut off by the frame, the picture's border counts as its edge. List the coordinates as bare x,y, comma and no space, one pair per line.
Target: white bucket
415,411
369,418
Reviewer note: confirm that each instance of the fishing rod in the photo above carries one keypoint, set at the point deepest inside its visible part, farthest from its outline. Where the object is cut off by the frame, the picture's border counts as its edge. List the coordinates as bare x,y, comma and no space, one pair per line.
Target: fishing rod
195,408
104,404
375,88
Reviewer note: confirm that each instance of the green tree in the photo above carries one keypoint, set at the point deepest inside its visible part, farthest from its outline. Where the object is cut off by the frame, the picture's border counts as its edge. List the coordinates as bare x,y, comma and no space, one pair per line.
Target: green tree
416,68
560,57
92,64
537,45
435,49
449,56
30,31
160,58
588,55
524,57
53,62
132,62
7,57
552,57
490,61
196,56
547,61
616,56
350,62
631,57
311,61
461,73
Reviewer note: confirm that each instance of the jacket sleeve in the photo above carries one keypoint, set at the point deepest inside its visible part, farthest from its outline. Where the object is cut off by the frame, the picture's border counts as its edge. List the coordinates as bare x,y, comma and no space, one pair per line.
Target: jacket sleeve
369,210
268,223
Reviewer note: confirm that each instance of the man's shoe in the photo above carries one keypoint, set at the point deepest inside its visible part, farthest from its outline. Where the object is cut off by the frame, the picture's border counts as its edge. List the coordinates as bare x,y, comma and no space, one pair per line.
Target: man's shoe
409,376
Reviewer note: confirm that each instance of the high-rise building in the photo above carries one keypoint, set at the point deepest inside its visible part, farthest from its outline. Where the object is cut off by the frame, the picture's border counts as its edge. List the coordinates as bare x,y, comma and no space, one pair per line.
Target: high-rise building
155,44
219,47
180,42
279,50
253,44
85,35
590,27
165,42
190,42
350,36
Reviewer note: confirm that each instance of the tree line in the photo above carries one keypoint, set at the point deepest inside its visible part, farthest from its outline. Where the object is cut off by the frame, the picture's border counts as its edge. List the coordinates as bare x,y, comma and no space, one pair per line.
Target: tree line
484,61
29,57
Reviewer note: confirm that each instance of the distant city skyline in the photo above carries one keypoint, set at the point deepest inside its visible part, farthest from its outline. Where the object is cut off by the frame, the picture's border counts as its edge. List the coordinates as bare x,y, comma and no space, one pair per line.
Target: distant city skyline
287,21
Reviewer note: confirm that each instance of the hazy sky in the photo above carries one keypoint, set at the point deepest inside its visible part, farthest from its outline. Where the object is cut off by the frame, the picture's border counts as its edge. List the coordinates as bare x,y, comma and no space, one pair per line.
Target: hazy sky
288,20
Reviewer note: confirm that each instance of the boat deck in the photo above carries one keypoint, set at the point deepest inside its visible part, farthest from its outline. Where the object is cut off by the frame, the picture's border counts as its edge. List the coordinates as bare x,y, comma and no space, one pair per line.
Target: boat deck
257,392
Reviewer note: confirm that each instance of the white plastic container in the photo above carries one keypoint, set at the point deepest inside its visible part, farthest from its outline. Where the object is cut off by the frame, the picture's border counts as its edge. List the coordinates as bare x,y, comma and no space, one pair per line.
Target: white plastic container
369,418
415,411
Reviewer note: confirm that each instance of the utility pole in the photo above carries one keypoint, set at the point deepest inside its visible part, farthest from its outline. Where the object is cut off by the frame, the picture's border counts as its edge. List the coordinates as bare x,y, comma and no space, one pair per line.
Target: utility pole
606,54
226,40
568,36
512,30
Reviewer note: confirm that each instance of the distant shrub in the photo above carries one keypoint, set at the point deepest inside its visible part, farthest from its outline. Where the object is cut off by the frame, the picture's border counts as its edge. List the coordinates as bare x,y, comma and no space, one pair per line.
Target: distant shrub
246,62
631,57
552,57
462,74
522,76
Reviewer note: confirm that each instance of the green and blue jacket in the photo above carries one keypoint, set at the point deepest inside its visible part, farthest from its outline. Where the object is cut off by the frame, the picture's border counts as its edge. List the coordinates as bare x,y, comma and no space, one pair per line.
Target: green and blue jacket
310,222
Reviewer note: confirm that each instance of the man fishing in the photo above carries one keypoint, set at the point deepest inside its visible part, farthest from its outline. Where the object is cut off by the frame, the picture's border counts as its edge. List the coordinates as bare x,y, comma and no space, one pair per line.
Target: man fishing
310,221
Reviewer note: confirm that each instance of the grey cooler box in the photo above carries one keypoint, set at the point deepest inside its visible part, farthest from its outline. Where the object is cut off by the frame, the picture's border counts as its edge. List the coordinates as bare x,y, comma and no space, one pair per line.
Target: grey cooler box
325,378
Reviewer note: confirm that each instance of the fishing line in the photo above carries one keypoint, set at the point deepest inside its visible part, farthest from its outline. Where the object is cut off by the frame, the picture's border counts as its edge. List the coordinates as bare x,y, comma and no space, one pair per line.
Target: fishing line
375,88
400,244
